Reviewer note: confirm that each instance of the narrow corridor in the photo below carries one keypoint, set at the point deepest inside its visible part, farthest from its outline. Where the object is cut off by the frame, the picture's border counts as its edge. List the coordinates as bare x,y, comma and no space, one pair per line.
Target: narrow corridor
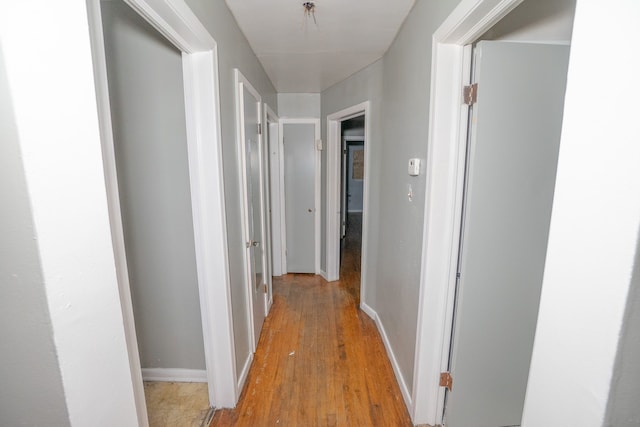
320,360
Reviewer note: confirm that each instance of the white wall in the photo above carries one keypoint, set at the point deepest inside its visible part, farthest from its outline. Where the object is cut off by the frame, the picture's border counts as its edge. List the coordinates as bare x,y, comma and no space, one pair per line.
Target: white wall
234,52
622,408
594,225
47,55
31,392
299,105
148,115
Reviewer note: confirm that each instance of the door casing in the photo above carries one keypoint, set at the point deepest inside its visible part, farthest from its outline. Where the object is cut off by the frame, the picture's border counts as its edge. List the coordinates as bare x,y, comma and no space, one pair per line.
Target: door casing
334,178
272,231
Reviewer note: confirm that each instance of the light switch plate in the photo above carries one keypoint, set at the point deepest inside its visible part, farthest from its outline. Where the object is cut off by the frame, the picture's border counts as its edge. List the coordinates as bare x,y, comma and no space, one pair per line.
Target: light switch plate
414,167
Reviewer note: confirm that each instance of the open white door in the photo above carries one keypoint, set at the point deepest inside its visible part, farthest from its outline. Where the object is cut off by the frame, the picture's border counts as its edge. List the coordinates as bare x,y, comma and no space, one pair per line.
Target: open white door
512,157
254,202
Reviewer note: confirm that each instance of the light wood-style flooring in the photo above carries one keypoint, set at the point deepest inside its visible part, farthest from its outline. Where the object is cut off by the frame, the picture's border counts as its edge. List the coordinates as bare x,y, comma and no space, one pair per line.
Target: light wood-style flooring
320,360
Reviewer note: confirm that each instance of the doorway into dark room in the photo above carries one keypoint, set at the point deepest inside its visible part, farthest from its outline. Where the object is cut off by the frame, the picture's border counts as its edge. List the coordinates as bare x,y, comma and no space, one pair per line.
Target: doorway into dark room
352,184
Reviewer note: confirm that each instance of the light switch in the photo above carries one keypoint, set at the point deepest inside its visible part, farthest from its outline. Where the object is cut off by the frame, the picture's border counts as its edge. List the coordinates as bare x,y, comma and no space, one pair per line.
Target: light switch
414,167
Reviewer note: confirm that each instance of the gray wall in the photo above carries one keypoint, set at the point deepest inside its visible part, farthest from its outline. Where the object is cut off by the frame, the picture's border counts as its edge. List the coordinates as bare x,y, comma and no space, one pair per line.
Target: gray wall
536,20
365,85
398,86
31,392
407,78
147,104
293,105
623,409
233,52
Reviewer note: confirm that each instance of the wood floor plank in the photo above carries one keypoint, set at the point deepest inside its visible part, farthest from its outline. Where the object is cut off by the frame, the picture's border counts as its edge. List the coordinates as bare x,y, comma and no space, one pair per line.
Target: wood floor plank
320,360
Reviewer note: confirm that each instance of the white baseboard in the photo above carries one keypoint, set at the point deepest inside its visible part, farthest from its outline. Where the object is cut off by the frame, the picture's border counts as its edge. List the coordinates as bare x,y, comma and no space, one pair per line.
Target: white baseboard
175,375
245,373
392,358
324,275
369,311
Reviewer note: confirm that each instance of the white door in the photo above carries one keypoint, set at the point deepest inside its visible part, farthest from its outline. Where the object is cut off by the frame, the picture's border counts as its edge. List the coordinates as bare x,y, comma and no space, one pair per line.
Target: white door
300,198
512,158
255,206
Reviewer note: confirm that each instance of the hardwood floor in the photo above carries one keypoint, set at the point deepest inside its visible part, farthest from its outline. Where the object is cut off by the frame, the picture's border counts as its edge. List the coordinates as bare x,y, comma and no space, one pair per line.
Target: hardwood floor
320,360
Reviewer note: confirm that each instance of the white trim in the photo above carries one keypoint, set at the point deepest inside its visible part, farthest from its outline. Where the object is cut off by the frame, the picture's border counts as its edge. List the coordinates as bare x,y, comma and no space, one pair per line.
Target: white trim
270,120
282,207
113,203
351,138
242,378
369,311
334,158
323,274
273,144
178,24
209,220
445,161
175,375
318,162
392,358
175,20
241,83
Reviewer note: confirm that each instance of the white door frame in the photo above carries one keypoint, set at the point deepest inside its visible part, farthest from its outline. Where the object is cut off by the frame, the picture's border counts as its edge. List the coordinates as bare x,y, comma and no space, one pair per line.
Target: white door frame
445,176
272,128
242,84
318,162
175,21
278,207
334,159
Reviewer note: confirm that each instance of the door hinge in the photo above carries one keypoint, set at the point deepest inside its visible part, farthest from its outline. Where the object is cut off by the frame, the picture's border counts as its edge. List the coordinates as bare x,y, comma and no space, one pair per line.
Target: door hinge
259,128
264,285
446,380
470,94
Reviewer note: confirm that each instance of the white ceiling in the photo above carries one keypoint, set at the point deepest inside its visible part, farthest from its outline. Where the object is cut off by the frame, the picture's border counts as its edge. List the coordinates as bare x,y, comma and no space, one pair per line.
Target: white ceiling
300,56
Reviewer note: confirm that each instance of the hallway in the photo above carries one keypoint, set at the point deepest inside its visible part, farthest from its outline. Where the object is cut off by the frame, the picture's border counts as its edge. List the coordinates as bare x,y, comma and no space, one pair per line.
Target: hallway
320,360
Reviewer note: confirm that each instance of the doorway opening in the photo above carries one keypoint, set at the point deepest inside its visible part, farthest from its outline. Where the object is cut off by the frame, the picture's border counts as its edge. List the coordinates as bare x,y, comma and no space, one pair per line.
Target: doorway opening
197,56
452,168
150,144
347,189
351,194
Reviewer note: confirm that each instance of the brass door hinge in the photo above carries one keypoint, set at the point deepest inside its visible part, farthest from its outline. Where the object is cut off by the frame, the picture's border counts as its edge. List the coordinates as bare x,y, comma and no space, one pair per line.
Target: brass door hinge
259,128
264,286
446,380
470,94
